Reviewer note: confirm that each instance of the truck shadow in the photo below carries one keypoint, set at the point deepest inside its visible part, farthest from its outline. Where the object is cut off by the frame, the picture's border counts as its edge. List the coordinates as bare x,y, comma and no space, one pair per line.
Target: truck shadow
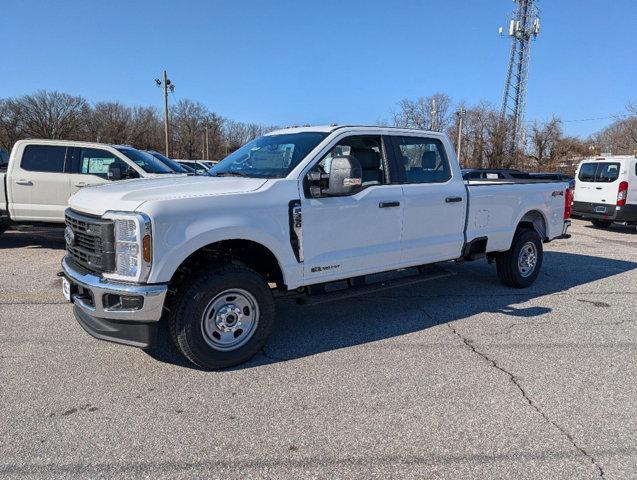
33,238
302,331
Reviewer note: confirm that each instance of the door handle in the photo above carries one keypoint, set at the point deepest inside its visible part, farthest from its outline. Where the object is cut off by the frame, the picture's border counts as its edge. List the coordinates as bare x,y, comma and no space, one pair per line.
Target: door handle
81,184
598,188
24,182
388,204
453,199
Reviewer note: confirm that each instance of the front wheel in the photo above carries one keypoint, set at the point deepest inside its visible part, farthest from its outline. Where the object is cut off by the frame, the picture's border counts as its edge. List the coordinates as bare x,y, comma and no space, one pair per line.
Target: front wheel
601,223
222,317
519,266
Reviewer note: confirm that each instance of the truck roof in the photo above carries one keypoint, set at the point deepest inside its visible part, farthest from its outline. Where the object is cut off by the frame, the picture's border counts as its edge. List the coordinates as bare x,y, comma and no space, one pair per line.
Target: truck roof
332,128
69,143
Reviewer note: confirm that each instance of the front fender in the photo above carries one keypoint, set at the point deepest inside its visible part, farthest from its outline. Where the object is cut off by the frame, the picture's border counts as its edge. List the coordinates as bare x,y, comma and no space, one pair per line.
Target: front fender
179,230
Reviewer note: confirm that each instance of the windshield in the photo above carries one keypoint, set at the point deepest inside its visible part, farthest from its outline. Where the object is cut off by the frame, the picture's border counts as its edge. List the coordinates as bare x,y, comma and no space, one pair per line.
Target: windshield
270,156
169,162
144,160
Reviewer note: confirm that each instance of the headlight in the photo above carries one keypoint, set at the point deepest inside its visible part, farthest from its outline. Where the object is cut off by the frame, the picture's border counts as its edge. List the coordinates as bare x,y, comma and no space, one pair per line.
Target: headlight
133,246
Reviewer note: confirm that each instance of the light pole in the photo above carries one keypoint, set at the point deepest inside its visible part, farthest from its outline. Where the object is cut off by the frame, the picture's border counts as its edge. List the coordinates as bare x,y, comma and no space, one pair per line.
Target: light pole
166,85
461,113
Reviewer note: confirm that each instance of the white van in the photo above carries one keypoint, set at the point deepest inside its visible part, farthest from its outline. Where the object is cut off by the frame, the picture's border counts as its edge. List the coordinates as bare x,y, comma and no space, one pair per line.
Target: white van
606,190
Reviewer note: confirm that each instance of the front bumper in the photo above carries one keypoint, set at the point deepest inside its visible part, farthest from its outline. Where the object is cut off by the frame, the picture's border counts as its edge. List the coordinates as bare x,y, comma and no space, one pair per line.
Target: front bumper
108,321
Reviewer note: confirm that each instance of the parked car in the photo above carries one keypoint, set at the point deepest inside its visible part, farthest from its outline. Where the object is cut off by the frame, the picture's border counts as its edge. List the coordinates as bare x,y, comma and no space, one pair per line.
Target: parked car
43,174
301,211
493,174
606,190
170,163
200,167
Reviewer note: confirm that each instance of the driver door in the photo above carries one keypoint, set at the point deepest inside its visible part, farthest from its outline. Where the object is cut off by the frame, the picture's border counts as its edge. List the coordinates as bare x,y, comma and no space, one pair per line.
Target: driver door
356,234
91,165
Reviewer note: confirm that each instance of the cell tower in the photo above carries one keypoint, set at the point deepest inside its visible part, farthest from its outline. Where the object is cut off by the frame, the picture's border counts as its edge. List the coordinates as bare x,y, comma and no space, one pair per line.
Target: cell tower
524,26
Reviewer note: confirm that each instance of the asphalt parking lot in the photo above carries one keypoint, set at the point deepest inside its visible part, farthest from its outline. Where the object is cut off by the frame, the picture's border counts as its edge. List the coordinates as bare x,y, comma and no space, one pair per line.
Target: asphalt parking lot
456,378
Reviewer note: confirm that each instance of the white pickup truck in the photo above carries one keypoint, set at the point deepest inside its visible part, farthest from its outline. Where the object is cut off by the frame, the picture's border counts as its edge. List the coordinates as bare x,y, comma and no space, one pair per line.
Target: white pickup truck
42,174
300,211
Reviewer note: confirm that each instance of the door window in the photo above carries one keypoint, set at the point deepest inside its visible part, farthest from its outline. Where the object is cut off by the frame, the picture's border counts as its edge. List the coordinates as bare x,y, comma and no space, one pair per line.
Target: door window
95,161
369,153
43,158
422,160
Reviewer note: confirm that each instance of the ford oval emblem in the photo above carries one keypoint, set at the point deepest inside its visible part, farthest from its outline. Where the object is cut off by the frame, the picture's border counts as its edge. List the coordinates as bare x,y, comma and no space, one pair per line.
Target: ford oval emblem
69,236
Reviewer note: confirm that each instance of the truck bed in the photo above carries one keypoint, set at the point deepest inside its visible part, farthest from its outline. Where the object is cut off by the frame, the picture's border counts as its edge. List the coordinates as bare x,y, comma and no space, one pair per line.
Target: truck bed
496,205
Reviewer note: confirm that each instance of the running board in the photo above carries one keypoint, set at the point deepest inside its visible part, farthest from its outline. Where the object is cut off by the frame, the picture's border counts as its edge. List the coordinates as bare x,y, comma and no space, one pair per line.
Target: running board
426,274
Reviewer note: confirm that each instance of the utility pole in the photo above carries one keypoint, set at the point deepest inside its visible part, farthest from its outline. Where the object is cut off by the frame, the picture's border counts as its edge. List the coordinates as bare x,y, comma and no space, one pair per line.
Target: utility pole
524,26
434,114
205,126
461,113
166,85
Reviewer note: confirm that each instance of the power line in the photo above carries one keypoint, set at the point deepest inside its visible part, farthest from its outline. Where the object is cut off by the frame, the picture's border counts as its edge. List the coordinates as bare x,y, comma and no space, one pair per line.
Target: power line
591,119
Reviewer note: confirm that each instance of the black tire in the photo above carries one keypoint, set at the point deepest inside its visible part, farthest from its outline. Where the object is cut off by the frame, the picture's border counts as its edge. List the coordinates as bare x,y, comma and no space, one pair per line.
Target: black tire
195,297
3,228
601,223
507,263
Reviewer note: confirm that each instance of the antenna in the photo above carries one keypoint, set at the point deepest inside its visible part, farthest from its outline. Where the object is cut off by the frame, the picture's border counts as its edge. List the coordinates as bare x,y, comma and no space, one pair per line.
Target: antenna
524,26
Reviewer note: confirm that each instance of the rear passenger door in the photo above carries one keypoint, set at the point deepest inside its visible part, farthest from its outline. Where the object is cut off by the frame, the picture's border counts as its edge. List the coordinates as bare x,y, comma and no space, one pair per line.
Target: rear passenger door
434,201
90,167
38,186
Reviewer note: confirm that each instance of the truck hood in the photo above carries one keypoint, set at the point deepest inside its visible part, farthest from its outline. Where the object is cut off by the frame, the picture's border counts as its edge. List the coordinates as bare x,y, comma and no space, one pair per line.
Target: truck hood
129,195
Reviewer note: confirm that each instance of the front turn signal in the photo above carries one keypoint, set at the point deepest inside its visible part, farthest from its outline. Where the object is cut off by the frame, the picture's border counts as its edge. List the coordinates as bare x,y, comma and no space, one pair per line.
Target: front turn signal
147,249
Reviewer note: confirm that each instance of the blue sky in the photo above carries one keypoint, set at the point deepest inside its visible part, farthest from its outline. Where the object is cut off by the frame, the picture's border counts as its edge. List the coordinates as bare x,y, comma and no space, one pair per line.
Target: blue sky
296,62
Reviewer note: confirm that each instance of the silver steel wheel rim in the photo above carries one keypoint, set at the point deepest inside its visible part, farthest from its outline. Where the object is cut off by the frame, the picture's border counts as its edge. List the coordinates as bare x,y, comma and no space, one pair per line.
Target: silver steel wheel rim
230,320
527,259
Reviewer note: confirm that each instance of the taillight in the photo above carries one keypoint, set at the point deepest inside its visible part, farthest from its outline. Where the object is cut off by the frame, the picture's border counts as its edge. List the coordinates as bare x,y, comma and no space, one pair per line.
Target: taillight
622,193
568,200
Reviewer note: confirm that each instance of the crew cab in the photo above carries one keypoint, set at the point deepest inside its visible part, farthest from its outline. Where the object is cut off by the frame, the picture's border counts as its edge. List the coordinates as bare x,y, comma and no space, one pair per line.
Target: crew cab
606,190
42,174
302,211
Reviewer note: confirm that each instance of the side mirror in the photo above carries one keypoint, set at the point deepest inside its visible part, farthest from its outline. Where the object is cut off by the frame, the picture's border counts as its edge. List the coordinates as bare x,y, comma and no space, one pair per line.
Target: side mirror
346,176
114,172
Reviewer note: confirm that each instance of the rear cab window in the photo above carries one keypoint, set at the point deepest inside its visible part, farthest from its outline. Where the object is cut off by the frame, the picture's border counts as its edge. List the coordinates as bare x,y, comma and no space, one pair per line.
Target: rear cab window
599,172
43,158
421,159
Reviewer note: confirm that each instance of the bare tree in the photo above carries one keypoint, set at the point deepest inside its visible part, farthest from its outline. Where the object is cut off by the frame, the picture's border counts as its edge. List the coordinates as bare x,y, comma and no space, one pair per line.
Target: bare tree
11,125
53,115
544,139
146,129
187,125
418,113
620,137
109,122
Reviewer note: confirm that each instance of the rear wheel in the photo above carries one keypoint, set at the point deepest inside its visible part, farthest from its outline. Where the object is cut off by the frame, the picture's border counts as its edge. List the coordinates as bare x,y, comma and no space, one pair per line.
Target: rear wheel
519,266
222,317
602,223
